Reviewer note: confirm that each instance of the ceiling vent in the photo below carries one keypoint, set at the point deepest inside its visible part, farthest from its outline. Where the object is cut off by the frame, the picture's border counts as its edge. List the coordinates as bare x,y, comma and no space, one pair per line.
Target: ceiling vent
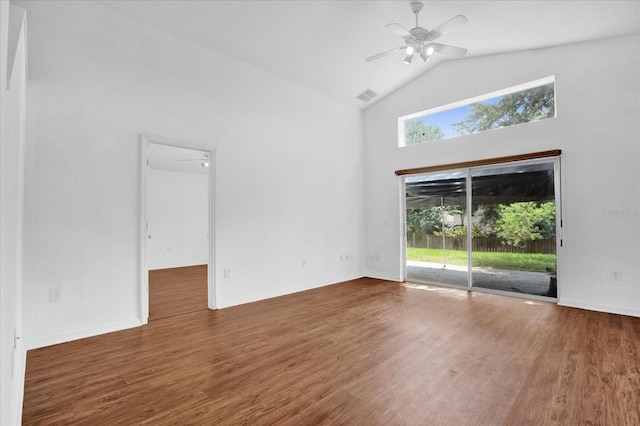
367,95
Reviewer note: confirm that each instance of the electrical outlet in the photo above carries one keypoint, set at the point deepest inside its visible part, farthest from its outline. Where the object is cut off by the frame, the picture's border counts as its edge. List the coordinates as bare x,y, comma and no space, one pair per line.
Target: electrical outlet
55,295
227,273
304,262
615,275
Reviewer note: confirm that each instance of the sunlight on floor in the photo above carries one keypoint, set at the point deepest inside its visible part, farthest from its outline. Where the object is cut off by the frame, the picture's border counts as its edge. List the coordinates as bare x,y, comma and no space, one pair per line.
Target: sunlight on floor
441,290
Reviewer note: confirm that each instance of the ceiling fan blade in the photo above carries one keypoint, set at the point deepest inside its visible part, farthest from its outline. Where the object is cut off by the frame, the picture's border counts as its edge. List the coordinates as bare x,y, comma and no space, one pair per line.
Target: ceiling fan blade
385,53
445,49
446,27
399,30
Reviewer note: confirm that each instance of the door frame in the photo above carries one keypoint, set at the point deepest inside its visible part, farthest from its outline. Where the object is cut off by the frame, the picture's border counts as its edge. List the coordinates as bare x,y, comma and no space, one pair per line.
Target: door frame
145,140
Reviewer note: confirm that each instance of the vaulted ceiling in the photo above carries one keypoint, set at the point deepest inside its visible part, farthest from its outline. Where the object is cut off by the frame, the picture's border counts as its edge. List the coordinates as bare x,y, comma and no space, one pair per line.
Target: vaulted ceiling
323,44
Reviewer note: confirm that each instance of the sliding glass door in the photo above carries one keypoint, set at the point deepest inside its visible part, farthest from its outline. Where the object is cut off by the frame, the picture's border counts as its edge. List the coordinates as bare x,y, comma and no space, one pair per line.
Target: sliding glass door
514,223
505,225
436,228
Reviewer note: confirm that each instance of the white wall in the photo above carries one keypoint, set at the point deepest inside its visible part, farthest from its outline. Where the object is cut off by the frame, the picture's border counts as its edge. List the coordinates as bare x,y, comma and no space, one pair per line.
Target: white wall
597,129
12,141
178,214
289,168
290,164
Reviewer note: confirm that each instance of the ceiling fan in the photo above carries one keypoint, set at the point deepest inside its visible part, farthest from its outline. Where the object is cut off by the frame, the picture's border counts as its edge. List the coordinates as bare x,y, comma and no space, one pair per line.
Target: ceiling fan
419,41
204,161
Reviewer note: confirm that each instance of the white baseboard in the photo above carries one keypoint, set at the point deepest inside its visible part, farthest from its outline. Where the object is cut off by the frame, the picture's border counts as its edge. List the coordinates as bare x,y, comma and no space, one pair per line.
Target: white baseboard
381,276
328,282
40,342
309,286
347,278
598,307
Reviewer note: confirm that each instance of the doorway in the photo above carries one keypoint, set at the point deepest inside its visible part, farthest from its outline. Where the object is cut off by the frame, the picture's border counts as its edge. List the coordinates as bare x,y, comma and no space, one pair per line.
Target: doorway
488,228
177,290
176,223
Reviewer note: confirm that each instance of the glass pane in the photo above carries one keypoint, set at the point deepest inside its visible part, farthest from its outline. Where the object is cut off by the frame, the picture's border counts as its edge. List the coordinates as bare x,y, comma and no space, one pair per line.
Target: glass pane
513,226
508,107
436,229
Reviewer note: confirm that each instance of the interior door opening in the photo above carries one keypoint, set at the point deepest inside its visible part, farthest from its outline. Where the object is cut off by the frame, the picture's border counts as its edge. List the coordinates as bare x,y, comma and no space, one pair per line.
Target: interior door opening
176,248
177,290
491,228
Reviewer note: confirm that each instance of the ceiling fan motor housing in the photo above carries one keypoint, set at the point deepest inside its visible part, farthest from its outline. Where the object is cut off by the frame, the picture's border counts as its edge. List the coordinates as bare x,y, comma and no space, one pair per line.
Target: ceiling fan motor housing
419,33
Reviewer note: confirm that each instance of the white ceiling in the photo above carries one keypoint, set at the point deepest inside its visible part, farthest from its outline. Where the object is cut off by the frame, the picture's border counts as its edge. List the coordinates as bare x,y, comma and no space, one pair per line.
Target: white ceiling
323,44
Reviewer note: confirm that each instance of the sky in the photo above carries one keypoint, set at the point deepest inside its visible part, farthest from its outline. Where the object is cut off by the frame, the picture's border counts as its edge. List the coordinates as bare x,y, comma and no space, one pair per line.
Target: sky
446,119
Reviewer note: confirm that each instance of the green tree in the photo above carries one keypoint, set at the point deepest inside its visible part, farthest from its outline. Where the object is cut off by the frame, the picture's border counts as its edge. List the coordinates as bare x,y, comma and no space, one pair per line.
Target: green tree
415,221
416,132
521,107
485,216
422,221
547,221
438,224
519,223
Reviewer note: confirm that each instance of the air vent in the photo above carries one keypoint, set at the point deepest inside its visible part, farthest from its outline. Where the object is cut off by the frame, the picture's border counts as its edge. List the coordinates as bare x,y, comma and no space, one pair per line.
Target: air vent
367,95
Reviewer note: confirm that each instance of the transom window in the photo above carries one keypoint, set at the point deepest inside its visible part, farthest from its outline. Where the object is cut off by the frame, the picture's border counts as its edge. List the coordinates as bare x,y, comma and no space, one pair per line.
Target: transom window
520,104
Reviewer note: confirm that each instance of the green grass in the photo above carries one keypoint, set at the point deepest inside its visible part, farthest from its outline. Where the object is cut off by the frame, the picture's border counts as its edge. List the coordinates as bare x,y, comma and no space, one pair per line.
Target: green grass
534,262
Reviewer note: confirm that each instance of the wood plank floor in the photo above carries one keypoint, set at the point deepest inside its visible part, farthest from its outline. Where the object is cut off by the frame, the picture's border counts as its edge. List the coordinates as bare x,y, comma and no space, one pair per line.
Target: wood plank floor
364,352
177,291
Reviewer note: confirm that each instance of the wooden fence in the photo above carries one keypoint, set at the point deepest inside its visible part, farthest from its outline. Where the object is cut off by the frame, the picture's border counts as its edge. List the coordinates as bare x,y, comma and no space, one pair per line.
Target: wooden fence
488,244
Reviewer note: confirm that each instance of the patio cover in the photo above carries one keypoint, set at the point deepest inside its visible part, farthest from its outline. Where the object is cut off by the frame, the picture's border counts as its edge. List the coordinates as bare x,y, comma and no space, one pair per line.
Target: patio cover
508,186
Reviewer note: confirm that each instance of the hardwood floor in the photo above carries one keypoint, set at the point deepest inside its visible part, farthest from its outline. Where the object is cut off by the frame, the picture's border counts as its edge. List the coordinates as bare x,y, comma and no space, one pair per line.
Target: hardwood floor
177,291
364,352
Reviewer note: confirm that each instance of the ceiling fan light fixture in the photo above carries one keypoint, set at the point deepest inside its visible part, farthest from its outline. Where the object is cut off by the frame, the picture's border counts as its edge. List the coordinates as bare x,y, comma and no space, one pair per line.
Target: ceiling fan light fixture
426,53
410,50
408,59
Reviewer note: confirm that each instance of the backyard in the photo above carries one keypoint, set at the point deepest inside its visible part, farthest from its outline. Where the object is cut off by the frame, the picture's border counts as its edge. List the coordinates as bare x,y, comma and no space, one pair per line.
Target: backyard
533,262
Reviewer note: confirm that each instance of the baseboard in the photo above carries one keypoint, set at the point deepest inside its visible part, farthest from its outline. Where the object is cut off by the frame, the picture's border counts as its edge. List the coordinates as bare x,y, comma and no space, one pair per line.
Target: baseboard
599,308
309,286
380,276
40,342
345,278
328,282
